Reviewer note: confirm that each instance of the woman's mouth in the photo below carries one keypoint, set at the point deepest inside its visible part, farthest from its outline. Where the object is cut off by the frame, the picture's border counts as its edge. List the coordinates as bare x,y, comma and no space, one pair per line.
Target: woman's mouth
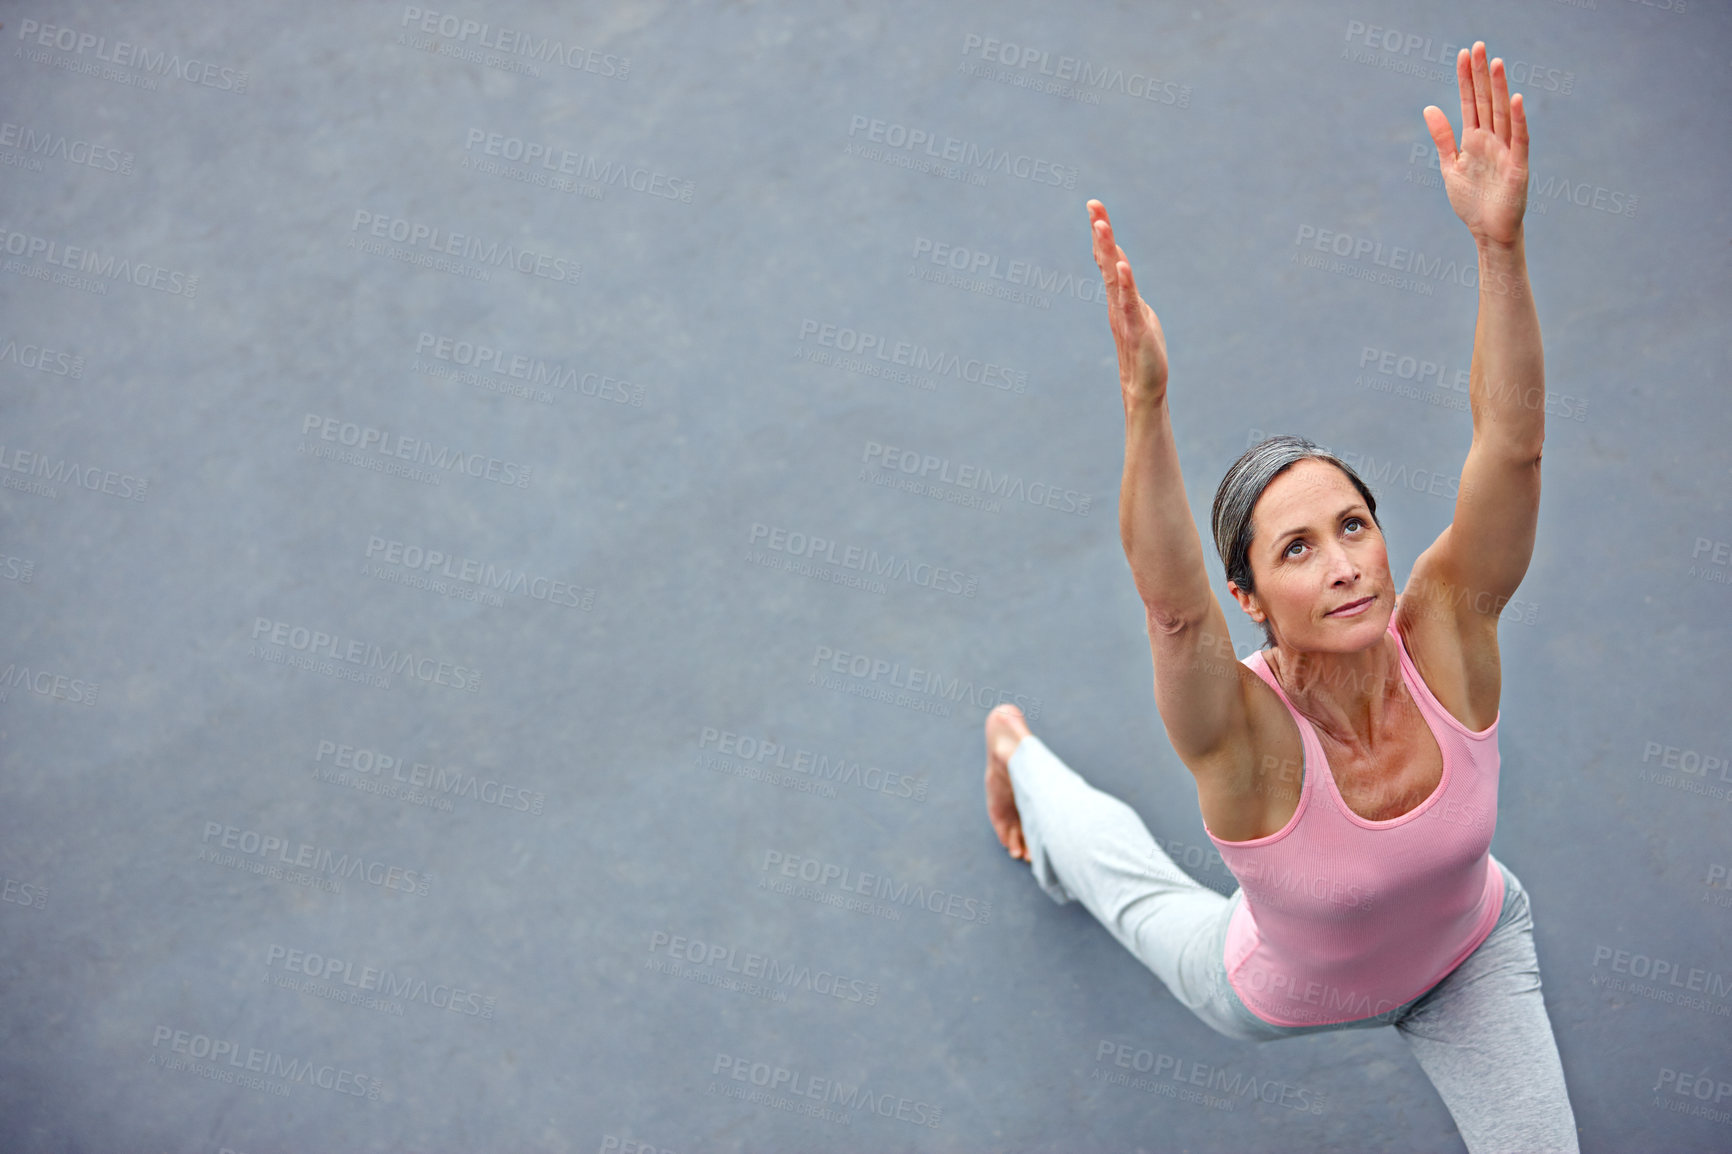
1352,608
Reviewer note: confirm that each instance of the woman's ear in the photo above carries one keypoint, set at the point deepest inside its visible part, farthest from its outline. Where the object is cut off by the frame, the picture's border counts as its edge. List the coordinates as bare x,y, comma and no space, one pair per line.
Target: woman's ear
1247,602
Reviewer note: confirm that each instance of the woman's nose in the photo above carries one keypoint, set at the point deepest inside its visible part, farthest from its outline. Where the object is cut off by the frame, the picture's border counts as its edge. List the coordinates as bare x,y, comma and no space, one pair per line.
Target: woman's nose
1342,564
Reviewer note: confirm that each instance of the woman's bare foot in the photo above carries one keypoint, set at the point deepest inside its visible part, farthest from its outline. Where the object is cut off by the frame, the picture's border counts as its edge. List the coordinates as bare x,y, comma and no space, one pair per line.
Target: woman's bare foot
1005,729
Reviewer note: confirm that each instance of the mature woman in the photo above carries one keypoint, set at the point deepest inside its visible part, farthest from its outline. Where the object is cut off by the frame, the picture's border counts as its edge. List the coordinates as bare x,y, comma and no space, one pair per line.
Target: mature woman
1347,771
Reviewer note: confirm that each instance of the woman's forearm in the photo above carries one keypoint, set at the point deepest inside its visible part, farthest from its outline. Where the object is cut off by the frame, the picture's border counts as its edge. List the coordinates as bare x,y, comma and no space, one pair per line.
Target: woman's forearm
1155,525
1507,380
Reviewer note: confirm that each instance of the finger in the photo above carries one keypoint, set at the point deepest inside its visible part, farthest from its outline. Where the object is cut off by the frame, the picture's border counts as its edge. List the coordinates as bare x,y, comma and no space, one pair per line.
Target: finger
1105,246
1128,285
1109,272
1098,215
1097,231
1441,135
1518,129
1464,82
1500,100
1132,322
1130,307
1481,86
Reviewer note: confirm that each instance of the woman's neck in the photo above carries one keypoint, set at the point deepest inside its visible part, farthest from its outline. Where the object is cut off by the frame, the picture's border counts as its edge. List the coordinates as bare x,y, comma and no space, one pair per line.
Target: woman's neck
1346,696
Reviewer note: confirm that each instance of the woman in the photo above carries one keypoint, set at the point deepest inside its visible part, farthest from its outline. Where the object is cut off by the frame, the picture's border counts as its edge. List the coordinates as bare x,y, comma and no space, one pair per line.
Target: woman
1348,771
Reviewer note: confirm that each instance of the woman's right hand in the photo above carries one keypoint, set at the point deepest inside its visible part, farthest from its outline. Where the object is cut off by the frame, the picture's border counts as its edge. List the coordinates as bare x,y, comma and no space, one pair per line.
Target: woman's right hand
1136,330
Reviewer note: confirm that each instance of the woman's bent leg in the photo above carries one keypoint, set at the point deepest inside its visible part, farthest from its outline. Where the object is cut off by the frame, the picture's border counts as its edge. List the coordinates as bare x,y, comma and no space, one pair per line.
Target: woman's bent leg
1090,846
1483,1038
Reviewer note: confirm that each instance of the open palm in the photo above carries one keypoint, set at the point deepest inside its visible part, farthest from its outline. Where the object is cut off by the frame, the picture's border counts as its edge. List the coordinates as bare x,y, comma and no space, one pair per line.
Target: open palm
1487,179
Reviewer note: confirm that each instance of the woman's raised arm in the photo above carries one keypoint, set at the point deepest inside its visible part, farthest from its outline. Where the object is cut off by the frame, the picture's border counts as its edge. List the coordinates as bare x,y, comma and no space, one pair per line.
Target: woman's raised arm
1480,558
1197,678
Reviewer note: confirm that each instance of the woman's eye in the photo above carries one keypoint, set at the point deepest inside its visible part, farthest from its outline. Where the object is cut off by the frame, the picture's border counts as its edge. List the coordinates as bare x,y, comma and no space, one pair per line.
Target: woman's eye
1351,521
1293,546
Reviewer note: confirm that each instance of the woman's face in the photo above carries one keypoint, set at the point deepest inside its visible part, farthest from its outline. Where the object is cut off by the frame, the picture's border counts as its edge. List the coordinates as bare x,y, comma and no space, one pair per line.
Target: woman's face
1319,563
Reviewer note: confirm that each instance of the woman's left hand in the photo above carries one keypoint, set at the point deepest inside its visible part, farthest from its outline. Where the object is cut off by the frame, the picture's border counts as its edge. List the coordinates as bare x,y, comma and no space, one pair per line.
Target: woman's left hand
1487,180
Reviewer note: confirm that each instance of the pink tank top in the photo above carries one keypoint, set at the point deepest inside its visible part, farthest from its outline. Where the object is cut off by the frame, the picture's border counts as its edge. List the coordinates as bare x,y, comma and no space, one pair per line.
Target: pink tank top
1345,918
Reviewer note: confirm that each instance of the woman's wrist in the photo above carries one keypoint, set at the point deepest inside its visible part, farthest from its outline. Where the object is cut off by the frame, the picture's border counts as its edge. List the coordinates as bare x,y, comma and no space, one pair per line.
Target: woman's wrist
1494,249
1503,268
1142,405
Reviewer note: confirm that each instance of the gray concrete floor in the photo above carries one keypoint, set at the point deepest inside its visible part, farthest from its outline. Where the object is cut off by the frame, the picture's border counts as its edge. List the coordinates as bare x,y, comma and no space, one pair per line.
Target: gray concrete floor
410,710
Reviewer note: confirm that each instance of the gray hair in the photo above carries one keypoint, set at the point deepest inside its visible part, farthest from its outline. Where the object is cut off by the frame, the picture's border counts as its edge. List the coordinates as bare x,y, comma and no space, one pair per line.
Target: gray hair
1244,484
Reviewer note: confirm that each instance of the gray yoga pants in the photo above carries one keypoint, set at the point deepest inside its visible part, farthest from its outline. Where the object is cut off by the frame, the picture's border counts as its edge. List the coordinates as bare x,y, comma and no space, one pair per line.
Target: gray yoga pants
1481,1034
